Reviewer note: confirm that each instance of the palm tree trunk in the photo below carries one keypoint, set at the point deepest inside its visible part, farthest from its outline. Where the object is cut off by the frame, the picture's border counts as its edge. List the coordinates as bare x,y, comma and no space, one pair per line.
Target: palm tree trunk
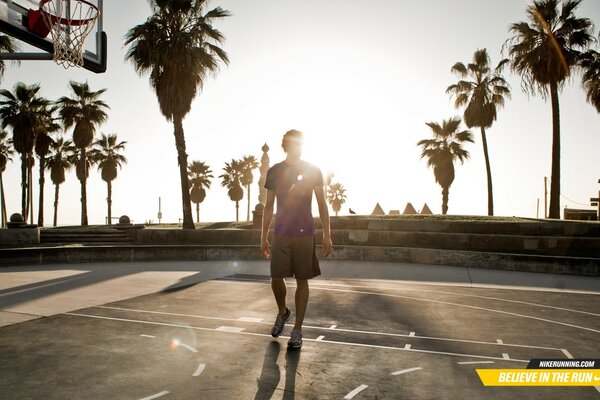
489,173
445,193
188,222
198,212
237,208
30,189
109,202
3,204
554,211
24,186
41,197
248,214
84,217
57,188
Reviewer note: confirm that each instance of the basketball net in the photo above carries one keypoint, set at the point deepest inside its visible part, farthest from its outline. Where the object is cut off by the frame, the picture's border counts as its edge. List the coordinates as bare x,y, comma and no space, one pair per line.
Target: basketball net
70,22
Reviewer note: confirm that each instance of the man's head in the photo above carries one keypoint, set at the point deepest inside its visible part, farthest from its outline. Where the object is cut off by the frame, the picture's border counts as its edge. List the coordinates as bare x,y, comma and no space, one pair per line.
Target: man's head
292,143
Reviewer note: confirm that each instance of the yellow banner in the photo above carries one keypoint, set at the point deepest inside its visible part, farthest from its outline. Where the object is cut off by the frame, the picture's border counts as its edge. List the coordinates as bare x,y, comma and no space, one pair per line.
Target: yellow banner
539,377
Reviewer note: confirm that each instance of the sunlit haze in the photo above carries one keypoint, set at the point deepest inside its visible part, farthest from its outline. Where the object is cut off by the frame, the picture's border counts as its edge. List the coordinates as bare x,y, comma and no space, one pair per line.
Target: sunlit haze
359,78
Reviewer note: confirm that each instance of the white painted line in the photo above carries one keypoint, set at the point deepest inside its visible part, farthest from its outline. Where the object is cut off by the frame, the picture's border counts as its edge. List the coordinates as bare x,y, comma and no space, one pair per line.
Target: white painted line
499,341
475,362
333,327
320,338
407,347
512,314
338,329
411,334
505,356
484,286
250,319
566,352
229,329
199,370
406,371
597,388
148,336
372,346
157,395
356,391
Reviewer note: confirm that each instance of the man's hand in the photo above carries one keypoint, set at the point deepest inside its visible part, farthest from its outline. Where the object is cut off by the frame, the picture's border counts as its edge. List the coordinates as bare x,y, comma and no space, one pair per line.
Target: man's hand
327,245
264,246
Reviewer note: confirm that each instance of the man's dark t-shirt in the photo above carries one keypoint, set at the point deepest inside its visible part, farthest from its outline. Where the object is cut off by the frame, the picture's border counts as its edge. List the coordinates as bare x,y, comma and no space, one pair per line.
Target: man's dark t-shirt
293,186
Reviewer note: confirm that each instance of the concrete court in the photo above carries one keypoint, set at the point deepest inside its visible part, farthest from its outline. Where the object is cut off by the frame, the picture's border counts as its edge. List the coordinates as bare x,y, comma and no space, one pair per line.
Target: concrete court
200,330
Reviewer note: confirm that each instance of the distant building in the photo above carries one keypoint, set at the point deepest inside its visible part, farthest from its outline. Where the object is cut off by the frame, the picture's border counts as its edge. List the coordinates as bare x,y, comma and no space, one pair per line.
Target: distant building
580,215
378,210
426,210
409,209
394,212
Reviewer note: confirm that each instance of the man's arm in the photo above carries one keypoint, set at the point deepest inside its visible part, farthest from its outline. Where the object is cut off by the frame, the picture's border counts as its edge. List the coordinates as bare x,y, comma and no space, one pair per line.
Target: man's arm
324,216
266,223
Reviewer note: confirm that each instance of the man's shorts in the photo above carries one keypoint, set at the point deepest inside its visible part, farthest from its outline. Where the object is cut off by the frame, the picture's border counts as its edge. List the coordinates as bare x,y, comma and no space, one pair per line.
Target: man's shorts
294,256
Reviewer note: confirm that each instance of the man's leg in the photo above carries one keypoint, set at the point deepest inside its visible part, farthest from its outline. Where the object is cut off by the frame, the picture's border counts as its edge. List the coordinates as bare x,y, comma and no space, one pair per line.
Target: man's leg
280,292
301,302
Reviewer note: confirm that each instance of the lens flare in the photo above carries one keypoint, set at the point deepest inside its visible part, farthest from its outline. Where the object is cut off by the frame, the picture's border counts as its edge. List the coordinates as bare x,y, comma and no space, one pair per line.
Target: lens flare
175,343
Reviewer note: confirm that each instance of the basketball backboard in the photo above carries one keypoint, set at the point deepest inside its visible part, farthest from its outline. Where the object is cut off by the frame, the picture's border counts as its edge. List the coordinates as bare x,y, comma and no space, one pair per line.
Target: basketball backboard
15,22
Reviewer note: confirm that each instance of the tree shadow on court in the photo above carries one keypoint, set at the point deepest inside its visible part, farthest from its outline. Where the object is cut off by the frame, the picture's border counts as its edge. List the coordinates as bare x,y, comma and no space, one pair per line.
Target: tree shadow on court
271,373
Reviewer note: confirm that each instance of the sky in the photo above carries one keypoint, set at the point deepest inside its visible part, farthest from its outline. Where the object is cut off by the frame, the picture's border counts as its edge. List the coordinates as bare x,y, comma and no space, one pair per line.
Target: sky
359,78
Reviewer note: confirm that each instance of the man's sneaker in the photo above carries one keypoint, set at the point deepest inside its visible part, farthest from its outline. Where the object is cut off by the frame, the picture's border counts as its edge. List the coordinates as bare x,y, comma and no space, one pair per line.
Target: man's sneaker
280,323
295,341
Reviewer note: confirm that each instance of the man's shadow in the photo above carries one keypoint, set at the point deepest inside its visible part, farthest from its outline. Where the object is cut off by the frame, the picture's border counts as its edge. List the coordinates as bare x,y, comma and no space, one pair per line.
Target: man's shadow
271,373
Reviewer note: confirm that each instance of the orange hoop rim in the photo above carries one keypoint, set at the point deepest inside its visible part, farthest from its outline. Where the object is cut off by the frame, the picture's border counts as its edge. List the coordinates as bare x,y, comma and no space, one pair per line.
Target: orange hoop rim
70,22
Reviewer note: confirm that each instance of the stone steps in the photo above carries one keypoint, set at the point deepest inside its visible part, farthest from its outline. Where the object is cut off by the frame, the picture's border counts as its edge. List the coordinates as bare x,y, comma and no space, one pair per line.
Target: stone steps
520,244
88,236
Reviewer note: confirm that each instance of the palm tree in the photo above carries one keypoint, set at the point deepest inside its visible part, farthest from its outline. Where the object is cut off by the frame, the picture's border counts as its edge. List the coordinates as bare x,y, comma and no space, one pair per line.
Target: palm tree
178,47
200,176
442,150
22,111
7,45
106,154
249,163
232,181
482,90
336,196
590,61
543,50
6,153
63,155
85,111
42,146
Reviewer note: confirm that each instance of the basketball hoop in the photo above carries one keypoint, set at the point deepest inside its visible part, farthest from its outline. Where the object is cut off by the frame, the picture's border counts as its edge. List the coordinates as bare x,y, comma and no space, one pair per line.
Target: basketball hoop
70,22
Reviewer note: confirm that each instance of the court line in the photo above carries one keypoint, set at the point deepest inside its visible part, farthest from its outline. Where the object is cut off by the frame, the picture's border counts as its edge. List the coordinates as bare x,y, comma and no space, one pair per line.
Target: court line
566,352
407,346
474,362
406,371
465,306
157,395
374,346
454,304
199,370
442,292
148,336
355,392
320,338
505,356
337,329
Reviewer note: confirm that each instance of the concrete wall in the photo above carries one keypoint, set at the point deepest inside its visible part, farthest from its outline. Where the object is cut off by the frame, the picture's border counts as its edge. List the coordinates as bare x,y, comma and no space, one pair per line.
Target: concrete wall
19,237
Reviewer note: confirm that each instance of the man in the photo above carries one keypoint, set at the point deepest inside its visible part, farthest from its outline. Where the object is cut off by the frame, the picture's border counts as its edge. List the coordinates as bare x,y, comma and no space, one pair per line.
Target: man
292,182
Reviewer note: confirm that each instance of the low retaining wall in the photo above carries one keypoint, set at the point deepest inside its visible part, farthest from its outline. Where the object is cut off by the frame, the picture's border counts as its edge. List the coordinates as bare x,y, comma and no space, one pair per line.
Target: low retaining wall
501,261
19,236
